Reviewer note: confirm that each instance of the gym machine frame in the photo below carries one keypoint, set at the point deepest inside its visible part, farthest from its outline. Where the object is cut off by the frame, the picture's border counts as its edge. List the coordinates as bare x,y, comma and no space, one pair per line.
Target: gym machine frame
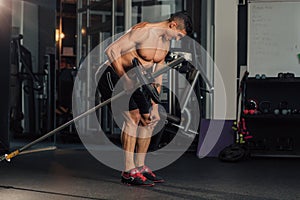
174,120
21,150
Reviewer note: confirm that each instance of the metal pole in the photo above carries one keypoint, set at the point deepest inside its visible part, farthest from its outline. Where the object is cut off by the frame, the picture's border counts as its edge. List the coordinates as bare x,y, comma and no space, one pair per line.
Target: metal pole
113,19
79,34
128,14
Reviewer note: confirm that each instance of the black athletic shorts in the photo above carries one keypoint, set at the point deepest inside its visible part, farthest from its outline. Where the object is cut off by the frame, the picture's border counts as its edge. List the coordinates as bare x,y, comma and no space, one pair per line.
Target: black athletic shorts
138,100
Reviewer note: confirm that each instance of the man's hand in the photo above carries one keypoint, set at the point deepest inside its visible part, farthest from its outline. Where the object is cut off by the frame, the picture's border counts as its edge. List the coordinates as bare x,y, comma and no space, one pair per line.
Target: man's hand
151,119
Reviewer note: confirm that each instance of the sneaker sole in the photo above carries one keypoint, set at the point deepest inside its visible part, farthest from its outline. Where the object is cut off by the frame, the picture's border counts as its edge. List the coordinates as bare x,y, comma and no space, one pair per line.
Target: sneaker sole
143,185
162,181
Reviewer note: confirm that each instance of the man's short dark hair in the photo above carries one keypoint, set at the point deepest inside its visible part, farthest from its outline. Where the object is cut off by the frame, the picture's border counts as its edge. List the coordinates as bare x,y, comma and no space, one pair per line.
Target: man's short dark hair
187,20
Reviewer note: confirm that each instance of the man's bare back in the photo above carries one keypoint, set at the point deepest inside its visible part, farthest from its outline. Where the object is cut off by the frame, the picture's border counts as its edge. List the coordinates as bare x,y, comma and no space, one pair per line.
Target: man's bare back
143,42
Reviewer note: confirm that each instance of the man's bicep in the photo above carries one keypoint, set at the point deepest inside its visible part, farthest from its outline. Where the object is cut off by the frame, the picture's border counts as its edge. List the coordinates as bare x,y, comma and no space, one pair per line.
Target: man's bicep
122,45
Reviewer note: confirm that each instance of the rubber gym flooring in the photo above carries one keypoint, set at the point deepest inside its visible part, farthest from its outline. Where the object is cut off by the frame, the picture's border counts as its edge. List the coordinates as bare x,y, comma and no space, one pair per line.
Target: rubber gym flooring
71,173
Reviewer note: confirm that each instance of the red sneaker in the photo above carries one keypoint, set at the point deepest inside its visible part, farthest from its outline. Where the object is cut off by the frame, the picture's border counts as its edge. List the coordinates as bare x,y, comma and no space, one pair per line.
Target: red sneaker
134,177
147,172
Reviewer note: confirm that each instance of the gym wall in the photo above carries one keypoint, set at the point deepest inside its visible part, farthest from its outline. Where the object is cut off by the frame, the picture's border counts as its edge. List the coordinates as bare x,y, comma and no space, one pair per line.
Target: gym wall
36,21
5,31
225,57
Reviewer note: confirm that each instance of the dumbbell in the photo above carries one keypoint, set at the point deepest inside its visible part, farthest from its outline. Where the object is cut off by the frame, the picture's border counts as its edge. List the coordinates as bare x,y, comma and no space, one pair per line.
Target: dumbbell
251,107
285,111
262,76
250,111
282,111
276,111
265,107
283,107
295,111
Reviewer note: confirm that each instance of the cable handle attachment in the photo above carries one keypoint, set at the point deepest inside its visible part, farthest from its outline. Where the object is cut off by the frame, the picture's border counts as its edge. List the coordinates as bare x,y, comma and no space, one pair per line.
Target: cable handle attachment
146,80
8,157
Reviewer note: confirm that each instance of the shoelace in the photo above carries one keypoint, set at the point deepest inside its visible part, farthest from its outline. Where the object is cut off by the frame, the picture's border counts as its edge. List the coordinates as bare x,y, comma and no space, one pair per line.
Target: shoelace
146,169
136,173
141,176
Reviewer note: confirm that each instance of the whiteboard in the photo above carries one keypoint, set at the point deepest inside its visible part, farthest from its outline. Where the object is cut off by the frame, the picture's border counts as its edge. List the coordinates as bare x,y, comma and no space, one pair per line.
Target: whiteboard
273,37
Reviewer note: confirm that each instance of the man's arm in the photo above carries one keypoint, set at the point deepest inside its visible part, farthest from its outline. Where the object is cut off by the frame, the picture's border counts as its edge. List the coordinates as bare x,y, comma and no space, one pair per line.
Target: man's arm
122,46
154,115
158,80
115,50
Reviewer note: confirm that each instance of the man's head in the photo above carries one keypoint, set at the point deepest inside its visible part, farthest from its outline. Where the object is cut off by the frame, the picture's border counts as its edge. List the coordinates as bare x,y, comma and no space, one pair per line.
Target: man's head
182,22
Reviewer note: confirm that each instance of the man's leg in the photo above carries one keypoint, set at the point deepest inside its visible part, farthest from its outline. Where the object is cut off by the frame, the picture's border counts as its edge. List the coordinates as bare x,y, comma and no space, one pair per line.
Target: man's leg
131,175
128,137
136,122
144,134
143,142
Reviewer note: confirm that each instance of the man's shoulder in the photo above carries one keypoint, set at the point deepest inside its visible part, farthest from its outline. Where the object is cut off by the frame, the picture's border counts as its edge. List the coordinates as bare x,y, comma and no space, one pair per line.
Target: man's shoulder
140,25
139,32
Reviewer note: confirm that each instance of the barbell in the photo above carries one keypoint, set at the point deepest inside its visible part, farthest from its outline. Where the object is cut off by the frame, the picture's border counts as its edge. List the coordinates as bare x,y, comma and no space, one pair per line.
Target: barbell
142,81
